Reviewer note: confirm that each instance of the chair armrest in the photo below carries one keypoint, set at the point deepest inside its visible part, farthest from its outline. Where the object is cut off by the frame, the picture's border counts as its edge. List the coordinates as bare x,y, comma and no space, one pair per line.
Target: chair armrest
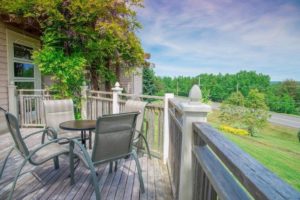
45,132
86,155
46,144
34,133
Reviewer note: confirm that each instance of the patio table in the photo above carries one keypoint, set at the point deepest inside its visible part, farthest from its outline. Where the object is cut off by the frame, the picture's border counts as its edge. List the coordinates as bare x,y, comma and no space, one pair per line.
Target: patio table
82,126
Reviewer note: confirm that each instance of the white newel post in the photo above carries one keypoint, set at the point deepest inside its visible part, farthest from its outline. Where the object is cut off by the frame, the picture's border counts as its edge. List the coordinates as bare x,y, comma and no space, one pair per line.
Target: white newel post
12,99
116,91
166,126
193,111
84,89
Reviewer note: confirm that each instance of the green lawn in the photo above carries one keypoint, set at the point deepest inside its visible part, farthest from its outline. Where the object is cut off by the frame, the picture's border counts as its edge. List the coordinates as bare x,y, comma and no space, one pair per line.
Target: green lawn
276,147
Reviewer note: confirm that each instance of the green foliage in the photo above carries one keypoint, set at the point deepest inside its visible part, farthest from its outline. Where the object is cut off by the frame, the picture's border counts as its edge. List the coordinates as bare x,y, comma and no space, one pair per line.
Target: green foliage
149,87
298,134
68,70
221,86
81,36
249,113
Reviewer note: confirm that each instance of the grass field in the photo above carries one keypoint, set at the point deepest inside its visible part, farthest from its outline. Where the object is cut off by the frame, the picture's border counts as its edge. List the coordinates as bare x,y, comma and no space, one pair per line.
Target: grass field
276,147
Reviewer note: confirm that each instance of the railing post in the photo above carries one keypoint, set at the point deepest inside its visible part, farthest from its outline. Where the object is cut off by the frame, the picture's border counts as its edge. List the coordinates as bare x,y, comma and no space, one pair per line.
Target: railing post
166,126
116,91
84,101
193,111
12,99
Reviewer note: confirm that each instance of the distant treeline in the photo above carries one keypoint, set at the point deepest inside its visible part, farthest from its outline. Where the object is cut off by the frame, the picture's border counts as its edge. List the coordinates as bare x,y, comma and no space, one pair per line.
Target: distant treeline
283,97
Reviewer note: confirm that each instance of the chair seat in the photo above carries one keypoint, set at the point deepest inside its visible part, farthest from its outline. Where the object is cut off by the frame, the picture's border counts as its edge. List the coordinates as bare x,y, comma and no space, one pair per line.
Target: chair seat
48,152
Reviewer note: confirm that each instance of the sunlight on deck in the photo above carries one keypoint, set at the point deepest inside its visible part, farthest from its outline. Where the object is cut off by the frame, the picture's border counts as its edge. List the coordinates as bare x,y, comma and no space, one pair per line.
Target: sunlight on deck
47,183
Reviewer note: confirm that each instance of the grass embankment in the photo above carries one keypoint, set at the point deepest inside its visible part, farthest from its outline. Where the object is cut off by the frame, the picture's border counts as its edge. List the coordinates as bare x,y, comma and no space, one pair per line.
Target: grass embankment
276,147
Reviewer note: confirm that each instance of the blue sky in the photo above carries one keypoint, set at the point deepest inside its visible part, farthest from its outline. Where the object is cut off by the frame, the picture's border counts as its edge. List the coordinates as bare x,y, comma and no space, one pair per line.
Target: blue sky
190,37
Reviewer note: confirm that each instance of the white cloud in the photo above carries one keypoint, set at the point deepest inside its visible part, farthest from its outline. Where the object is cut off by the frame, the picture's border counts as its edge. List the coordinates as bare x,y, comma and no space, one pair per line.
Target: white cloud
222,34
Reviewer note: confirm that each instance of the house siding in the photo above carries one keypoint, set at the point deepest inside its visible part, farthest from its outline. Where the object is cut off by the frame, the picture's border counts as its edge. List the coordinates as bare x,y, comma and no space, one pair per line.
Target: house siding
132,83
3,75
3,68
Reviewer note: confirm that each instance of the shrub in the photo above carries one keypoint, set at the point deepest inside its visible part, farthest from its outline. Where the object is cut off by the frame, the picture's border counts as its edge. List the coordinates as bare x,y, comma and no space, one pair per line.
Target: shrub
232,130
299,135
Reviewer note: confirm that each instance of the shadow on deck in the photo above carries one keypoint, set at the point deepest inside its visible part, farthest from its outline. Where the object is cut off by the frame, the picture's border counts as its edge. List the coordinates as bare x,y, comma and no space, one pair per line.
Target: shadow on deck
47,183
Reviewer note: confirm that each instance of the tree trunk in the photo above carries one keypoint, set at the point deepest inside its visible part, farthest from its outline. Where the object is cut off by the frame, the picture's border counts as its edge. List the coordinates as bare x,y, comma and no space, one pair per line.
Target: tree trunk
94,79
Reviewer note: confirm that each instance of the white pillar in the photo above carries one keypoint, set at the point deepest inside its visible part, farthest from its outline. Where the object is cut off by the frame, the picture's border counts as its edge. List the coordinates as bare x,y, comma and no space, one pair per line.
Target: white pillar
166,126
84,89
12,99
193,111
116,91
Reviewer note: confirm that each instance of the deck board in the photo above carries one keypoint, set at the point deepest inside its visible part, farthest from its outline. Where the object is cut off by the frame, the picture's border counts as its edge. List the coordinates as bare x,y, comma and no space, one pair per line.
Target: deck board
55,184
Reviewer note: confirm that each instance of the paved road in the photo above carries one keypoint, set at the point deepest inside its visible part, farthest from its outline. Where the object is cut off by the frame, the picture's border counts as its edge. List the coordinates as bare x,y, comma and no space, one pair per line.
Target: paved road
276,118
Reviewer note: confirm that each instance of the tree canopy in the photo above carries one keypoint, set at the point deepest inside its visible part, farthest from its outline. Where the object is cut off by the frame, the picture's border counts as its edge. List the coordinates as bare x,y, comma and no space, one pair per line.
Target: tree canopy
80,38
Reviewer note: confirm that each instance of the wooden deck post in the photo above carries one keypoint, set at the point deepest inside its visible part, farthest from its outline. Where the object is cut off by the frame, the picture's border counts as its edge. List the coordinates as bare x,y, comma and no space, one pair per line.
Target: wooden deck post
84,89
193,111
166,126
12,99
116,91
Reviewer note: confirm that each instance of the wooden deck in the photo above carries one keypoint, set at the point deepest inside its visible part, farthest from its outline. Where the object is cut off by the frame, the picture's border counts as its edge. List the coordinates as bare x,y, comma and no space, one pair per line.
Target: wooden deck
55,184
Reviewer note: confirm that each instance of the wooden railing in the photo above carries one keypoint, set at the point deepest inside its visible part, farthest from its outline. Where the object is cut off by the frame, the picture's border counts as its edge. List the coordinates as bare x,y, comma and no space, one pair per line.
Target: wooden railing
203,164
100,103
175,139
30,107
221,170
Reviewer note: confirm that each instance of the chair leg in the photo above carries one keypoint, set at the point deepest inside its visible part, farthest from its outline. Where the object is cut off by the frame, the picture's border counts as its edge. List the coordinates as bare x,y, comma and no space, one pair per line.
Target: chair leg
110,167
5,161
56,162
116,166
71,165
16,178
139,171
147,146
90,139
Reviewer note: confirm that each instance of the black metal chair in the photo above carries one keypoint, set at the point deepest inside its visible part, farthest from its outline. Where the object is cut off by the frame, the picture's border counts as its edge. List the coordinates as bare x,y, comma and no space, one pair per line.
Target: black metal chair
114,136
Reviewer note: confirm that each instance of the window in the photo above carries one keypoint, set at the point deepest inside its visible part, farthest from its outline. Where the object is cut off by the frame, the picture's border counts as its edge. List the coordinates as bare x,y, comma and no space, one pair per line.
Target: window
23,67
22,71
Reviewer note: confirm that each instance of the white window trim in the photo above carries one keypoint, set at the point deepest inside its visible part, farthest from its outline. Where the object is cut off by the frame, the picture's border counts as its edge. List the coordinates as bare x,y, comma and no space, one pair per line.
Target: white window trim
14,37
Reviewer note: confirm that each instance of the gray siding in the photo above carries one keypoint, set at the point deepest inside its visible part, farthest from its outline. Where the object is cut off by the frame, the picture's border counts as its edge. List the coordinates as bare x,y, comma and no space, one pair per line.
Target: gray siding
3,68
3,76
132,83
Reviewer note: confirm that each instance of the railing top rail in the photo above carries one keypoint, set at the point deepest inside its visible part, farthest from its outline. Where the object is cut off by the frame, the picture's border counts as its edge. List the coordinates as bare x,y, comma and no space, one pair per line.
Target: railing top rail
99,92
259,181
176,103
143,96
33,90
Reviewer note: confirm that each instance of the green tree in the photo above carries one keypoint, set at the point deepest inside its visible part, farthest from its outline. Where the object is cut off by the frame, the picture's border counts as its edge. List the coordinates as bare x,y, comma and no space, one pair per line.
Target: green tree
149,86
256,115
78,36
249,113
233,110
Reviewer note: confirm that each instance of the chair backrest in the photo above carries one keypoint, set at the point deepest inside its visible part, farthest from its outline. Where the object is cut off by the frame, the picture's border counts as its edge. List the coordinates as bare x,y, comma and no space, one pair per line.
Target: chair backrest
3,124
113,136
14,129
137,106
58,111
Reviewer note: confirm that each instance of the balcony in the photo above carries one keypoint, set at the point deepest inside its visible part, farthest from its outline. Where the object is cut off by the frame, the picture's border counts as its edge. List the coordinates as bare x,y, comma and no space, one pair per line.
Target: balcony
191,159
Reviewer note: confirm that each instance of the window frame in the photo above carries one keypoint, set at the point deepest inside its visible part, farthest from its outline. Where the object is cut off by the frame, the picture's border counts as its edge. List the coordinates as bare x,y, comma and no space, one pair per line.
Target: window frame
22,39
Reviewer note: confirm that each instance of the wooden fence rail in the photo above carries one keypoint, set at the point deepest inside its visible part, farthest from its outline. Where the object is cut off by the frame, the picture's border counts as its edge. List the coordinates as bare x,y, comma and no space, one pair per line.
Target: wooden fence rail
100,103
175,139
224,171
30,106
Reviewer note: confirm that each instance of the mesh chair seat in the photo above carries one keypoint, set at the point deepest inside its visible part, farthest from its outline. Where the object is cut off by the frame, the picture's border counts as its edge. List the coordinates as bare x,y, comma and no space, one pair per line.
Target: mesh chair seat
48,152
